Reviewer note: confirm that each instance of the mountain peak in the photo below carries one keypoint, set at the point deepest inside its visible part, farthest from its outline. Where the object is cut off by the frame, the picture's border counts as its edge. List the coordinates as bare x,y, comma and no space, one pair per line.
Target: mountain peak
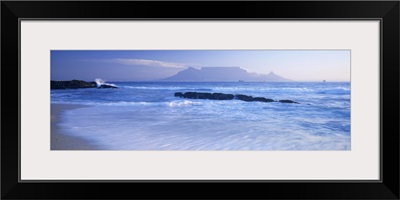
223,74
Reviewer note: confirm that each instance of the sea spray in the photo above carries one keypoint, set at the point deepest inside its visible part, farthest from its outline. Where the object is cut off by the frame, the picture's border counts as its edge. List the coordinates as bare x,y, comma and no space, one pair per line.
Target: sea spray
101,82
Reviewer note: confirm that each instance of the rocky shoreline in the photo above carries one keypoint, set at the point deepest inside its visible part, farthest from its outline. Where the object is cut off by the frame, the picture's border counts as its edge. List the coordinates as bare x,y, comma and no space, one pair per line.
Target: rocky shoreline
76,84
222,96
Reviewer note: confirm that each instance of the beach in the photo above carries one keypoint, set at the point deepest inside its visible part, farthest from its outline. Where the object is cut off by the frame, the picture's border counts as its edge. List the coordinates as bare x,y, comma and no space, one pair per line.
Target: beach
59,139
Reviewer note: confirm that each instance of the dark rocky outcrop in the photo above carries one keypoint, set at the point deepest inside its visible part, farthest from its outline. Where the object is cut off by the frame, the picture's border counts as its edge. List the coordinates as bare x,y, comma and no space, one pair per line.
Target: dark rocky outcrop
288,101
221,96
199,95
262,99
76,84
107,86
250,98
244,97
178,94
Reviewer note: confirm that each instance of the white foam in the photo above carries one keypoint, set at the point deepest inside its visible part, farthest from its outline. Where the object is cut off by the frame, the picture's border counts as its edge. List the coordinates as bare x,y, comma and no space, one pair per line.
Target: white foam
101,82
182,103
204,127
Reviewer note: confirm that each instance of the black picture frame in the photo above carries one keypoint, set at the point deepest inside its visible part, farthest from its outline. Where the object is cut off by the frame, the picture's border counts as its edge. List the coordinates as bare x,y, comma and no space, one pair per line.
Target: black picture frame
386,11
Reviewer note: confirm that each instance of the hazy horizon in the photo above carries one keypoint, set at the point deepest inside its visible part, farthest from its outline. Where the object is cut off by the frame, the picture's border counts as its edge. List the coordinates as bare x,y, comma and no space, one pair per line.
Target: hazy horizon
153,65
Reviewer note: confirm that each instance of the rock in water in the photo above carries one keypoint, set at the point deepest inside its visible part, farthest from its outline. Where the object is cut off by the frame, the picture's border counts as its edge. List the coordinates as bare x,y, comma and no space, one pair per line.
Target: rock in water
191,95
200,95
288,101
178,94
76,84
262,99
244,97
250,98
222,96
107,86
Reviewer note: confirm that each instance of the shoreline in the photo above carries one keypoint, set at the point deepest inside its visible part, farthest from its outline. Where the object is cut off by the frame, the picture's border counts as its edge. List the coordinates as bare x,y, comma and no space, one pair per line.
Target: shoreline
58,139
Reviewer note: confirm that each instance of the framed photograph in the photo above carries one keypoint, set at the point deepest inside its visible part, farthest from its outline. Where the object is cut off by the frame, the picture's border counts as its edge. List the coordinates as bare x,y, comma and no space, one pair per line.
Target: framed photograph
289,96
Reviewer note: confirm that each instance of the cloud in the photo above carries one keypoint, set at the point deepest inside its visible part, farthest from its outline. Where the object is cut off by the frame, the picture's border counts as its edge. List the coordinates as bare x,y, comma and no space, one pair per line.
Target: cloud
141,62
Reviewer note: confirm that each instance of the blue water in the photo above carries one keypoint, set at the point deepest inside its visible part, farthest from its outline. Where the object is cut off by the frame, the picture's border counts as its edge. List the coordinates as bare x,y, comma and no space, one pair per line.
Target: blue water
147,116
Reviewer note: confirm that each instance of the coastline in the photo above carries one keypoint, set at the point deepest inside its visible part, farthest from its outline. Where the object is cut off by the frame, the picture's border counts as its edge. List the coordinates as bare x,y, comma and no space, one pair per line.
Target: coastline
60,140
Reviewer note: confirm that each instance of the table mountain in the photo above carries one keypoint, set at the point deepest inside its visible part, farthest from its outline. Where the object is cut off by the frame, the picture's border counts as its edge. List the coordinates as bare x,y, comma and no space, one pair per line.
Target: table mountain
223,74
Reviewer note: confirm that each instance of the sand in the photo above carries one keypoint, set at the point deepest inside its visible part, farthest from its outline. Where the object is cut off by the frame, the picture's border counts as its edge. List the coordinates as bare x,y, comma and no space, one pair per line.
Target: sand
59,139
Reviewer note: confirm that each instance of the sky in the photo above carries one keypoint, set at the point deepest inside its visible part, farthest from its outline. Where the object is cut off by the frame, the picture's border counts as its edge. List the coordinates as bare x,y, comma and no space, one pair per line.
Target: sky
152,65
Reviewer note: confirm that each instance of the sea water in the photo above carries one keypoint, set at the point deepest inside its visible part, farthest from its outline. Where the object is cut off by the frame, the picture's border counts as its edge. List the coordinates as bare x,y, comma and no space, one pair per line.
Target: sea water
147,116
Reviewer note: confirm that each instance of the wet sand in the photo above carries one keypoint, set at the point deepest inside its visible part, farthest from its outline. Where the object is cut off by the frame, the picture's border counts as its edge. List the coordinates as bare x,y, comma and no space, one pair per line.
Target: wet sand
60,140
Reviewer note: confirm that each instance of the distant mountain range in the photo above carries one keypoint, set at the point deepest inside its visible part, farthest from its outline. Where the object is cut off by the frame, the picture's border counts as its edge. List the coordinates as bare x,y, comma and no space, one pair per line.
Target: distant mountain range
223,74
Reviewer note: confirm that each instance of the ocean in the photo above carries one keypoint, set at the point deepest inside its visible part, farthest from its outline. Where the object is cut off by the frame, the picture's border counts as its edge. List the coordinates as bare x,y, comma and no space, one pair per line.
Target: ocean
147,116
